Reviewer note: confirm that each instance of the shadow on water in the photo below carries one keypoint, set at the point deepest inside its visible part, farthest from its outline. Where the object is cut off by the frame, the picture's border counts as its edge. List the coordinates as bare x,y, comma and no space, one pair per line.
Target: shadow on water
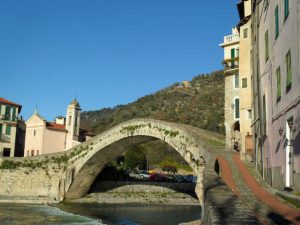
133,214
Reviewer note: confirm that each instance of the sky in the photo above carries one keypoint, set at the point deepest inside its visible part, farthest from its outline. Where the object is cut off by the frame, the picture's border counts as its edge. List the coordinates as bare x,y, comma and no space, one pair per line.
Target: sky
105,52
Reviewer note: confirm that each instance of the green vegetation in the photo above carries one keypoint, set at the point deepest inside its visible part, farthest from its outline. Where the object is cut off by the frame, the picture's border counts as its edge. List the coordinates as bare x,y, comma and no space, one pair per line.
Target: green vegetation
200,105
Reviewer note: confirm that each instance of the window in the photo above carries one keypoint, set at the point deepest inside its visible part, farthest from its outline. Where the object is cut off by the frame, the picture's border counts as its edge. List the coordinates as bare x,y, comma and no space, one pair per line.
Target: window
278,79
70,120
236,81
286,9
232,57
264,116
244,82
34,133
37,152
276,22
32,152
8,130
288,62
249,114
0,129
245,32
7,113
27,153
266,4
14,114
266,46
6,152
237,108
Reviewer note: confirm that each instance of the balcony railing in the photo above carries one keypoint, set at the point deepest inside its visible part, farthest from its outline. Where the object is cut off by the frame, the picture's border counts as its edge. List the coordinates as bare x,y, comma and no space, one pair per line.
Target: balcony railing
230,64
4,138
231,38
8,117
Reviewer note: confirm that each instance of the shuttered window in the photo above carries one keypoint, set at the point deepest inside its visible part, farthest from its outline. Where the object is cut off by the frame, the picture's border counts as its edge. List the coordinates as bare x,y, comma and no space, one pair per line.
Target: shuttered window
276,22
286,9
266,46
237,108
8,130
288,62
278,87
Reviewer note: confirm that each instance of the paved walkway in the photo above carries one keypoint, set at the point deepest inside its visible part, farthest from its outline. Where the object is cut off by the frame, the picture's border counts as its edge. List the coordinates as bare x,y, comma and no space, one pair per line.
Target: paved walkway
268,208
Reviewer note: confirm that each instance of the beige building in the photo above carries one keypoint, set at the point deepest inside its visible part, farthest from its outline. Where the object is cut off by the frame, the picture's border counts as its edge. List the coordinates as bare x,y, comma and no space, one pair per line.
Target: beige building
276,91
245,90
43,137
232,99
11,127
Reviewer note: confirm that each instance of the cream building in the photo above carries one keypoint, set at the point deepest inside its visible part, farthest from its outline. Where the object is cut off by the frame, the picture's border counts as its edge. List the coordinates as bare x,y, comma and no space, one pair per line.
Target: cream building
232,99
10,128
43,137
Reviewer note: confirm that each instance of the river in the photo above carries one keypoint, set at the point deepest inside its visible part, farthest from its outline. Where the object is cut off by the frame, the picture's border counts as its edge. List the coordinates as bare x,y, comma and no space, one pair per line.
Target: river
96,214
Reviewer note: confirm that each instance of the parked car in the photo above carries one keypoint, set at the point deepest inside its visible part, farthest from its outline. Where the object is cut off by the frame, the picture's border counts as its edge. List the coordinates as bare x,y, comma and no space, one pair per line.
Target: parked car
171,178
144,174
157,177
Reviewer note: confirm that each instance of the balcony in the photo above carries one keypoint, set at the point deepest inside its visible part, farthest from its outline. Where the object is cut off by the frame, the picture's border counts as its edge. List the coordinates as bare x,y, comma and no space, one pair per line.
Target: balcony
8,118
4,138
231,64
231,39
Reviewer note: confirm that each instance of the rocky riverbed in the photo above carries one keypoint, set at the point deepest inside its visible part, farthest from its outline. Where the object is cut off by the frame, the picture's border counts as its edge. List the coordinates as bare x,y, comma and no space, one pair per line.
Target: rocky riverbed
165,198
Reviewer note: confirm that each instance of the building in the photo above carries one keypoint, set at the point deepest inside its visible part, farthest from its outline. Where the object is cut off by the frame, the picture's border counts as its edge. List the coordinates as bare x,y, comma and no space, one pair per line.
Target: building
245,85
11,127
232,101
43,137
276,91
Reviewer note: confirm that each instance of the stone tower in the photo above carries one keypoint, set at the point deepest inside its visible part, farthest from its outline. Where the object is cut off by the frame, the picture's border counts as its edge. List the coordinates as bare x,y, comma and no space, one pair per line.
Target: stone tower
72,123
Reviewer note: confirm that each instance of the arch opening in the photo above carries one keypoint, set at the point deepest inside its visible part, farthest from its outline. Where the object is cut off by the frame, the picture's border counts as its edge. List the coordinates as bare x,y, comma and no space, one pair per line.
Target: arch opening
83,180
153,166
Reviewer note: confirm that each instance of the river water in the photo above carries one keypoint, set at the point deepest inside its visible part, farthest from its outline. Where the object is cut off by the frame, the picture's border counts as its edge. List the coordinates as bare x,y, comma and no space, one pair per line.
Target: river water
96,214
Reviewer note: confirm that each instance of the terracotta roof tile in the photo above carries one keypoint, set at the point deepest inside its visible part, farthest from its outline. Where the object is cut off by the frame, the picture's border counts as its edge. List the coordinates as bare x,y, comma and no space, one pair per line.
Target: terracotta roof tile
5,101
55,126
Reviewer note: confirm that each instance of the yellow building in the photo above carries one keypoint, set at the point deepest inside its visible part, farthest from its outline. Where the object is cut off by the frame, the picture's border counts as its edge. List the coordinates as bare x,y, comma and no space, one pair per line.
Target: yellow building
245,90
10,128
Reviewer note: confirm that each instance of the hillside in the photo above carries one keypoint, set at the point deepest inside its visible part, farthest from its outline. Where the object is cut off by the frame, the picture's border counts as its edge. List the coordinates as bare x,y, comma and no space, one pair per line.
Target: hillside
199,103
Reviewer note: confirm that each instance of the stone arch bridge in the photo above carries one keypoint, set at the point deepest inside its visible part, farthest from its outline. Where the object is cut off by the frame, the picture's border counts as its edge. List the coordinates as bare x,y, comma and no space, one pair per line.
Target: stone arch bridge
69,175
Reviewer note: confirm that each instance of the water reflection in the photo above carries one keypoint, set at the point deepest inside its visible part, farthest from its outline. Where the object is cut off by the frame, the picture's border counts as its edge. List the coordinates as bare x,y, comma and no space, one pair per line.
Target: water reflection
136,214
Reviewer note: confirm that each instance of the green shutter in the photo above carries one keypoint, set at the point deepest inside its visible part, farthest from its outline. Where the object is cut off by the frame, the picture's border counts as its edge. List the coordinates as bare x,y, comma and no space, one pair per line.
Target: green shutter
8,130
237,108
276,22
14,114
264,116
286,8
288,70
278,78
232,57
0,129
266,45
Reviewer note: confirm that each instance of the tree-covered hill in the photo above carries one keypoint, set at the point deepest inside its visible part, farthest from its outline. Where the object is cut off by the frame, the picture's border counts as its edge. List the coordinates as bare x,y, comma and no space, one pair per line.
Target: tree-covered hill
198,103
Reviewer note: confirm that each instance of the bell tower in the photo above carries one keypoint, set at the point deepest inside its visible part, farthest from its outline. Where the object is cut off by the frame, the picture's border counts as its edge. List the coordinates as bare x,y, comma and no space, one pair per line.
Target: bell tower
72,123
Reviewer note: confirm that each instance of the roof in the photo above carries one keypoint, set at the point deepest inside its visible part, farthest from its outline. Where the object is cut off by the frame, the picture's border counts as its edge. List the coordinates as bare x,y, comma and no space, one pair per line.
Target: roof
5,101
74,102
55,126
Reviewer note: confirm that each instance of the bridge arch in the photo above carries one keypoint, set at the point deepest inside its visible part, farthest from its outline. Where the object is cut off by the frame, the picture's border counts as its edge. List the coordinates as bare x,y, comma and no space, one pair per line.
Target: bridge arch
91,156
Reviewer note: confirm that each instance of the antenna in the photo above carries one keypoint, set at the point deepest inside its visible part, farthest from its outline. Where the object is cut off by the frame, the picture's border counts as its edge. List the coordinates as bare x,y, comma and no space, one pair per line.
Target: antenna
35,110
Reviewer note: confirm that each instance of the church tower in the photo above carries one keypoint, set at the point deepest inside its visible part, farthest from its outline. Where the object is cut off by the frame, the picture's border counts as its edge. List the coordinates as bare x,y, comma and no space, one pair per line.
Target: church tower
72,124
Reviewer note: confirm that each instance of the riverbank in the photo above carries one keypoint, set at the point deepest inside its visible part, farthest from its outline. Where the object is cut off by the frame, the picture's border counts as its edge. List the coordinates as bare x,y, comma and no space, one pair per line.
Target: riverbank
164,198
